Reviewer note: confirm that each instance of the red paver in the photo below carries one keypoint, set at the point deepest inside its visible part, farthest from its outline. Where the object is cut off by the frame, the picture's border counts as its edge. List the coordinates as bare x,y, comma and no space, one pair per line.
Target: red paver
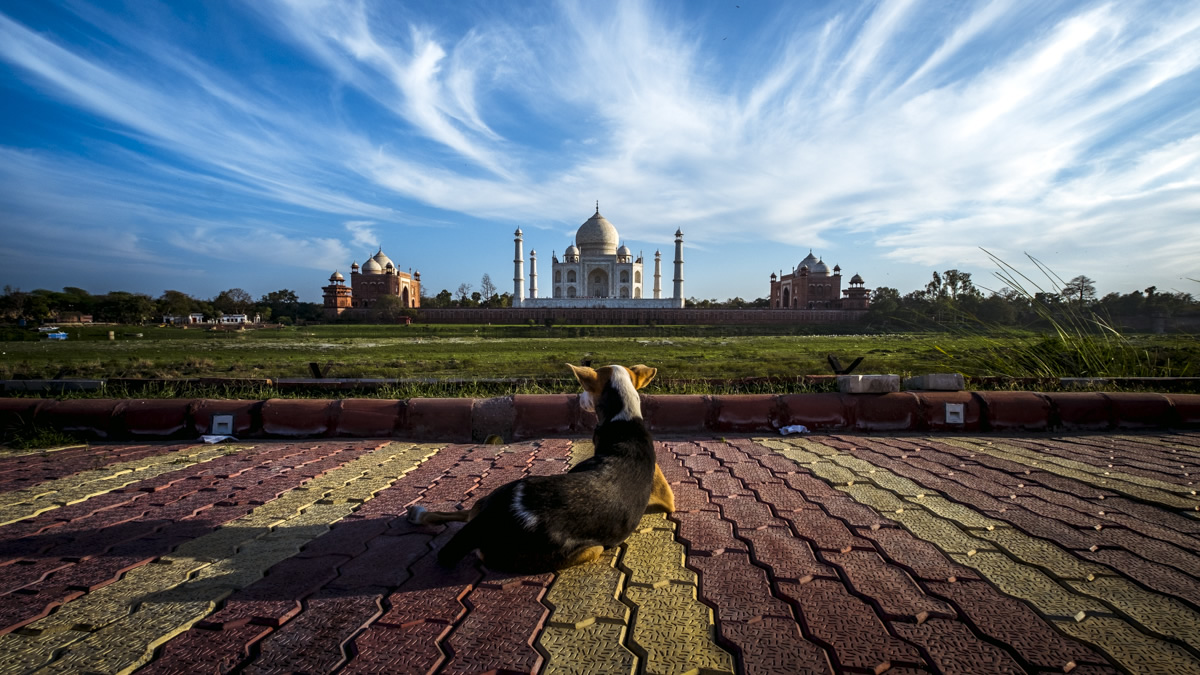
799,575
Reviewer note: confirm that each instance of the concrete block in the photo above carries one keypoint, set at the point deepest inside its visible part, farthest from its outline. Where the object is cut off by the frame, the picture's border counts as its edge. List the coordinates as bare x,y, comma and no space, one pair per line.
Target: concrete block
868,384
936,382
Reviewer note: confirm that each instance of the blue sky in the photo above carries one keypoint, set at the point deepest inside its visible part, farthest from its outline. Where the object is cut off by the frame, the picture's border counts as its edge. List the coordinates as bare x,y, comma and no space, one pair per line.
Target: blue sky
203,146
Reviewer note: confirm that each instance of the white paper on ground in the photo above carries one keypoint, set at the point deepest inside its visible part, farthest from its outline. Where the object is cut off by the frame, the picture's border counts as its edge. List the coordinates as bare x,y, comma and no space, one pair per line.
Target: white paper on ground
216,439
794,429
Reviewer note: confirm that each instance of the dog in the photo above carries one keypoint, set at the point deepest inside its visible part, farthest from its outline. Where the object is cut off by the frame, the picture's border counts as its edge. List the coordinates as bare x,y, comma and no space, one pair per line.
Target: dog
544,523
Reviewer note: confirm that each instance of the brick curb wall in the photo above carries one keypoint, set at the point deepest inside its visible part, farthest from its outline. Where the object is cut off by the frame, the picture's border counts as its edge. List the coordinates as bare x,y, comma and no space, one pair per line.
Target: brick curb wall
531,416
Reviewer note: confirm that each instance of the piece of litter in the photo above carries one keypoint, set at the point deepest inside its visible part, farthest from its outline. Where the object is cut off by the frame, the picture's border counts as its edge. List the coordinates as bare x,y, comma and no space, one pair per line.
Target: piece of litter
210,439
793,429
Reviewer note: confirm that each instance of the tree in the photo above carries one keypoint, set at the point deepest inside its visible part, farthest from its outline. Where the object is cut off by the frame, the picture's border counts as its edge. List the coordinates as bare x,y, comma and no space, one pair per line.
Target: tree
391,308
123,307
11,303
1080,290
176,303
279,304
463,292
233,301
486,288
443,299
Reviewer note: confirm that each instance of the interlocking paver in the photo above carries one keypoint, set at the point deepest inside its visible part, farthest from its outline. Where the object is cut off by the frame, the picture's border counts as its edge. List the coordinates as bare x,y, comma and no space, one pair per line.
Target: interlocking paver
1060,585
851,629
796,554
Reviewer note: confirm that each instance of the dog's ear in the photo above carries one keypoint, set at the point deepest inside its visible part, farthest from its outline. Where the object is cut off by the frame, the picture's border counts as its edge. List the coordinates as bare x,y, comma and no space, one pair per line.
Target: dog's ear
642,375
585,375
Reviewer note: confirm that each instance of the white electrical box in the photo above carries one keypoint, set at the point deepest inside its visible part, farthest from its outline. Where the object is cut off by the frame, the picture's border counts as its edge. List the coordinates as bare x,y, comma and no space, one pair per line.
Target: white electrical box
222,425
954,413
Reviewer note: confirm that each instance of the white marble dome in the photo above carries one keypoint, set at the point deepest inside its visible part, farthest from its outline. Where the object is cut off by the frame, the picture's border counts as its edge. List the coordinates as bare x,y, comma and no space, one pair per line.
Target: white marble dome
372,267
597,236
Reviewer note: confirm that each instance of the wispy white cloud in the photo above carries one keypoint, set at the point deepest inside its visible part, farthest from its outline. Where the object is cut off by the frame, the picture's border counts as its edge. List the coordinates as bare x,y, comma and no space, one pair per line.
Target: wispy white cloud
898,132
362,233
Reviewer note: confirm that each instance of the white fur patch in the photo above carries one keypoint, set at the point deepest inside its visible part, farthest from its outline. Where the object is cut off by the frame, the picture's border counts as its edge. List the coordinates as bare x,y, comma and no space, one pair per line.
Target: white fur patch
631,403
528,519
586,402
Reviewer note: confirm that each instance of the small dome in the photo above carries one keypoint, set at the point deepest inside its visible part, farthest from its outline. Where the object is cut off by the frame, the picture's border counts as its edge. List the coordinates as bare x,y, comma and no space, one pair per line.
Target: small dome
336,276
597,236
837,268
353,265
571,251
856,279
372,267
803,268
820,268
624,251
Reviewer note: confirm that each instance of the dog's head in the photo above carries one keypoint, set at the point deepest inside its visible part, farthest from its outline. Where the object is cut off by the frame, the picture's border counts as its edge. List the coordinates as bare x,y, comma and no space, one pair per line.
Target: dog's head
611,391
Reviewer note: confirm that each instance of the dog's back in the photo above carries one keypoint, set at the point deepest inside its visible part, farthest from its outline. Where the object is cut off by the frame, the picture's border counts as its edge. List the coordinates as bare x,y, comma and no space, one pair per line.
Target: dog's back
547,522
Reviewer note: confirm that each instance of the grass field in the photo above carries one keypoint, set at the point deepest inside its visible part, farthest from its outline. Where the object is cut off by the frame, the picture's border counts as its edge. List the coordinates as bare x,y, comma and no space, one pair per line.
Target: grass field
440,353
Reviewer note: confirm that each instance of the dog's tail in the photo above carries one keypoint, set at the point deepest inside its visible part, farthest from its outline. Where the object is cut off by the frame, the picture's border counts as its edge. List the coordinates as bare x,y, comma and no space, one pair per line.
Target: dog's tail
467,539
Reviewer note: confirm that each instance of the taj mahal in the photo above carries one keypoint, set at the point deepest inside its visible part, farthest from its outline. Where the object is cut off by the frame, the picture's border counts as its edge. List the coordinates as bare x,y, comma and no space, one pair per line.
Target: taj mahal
595,272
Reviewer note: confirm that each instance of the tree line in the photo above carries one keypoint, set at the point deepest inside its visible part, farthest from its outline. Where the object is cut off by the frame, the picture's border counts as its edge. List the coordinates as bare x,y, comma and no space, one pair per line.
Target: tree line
71,303
950,297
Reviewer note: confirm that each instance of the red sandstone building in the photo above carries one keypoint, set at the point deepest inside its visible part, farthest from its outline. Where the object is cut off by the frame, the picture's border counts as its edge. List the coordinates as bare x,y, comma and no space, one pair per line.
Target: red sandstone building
811,286
378,278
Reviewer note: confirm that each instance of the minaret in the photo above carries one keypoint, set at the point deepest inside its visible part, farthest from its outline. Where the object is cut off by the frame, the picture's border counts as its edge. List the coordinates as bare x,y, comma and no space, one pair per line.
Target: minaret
518,271
532,275
657,275
678,293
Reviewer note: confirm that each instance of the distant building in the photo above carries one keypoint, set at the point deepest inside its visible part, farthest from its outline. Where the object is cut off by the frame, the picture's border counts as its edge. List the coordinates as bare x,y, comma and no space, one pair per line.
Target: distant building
377,278
193,318
238,318
595,272
811,285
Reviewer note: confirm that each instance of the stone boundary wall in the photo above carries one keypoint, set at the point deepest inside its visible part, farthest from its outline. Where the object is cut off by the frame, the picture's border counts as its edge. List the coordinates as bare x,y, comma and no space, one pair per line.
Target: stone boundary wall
536,416
638,316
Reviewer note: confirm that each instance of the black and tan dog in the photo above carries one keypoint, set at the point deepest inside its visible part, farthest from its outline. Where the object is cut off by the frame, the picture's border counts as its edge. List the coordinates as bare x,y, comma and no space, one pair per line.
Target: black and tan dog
541,523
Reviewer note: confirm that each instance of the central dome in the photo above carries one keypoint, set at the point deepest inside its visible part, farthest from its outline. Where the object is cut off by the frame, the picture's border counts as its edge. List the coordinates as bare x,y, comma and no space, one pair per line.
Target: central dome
597,236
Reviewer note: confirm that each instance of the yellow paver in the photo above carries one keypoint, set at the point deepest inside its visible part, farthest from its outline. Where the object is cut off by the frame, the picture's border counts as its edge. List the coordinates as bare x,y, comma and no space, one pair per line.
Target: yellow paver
1077,595
22,504
1169,495
580,450
588,623
11,452
1128,647
1163,615
644,580
673,632
116,628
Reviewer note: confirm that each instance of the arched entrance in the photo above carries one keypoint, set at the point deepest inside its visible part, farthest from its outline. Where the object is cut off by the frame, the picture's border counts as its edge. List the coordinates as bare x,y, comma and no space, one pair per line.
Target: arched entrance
597,283
787,297
404,297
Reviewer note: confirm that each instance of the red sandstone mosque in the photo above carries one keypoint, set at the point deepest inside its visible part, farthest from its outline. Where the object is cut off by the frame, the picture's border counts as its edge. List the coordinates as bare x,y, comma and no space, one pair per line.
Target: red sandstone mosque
811,286
378,278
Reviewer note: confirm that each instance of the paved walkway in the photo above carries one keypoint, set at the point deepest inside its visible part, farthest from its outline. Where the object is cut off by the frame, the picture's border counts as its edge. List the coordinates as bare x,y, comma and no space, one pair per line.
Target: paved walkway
873,554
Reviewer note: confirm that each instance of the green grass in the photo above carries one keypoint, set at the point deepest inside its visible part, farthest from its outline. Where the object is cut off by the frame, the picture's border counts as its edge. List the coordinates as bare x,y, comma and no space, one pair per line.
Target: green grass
455,360
1080,342
37,438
